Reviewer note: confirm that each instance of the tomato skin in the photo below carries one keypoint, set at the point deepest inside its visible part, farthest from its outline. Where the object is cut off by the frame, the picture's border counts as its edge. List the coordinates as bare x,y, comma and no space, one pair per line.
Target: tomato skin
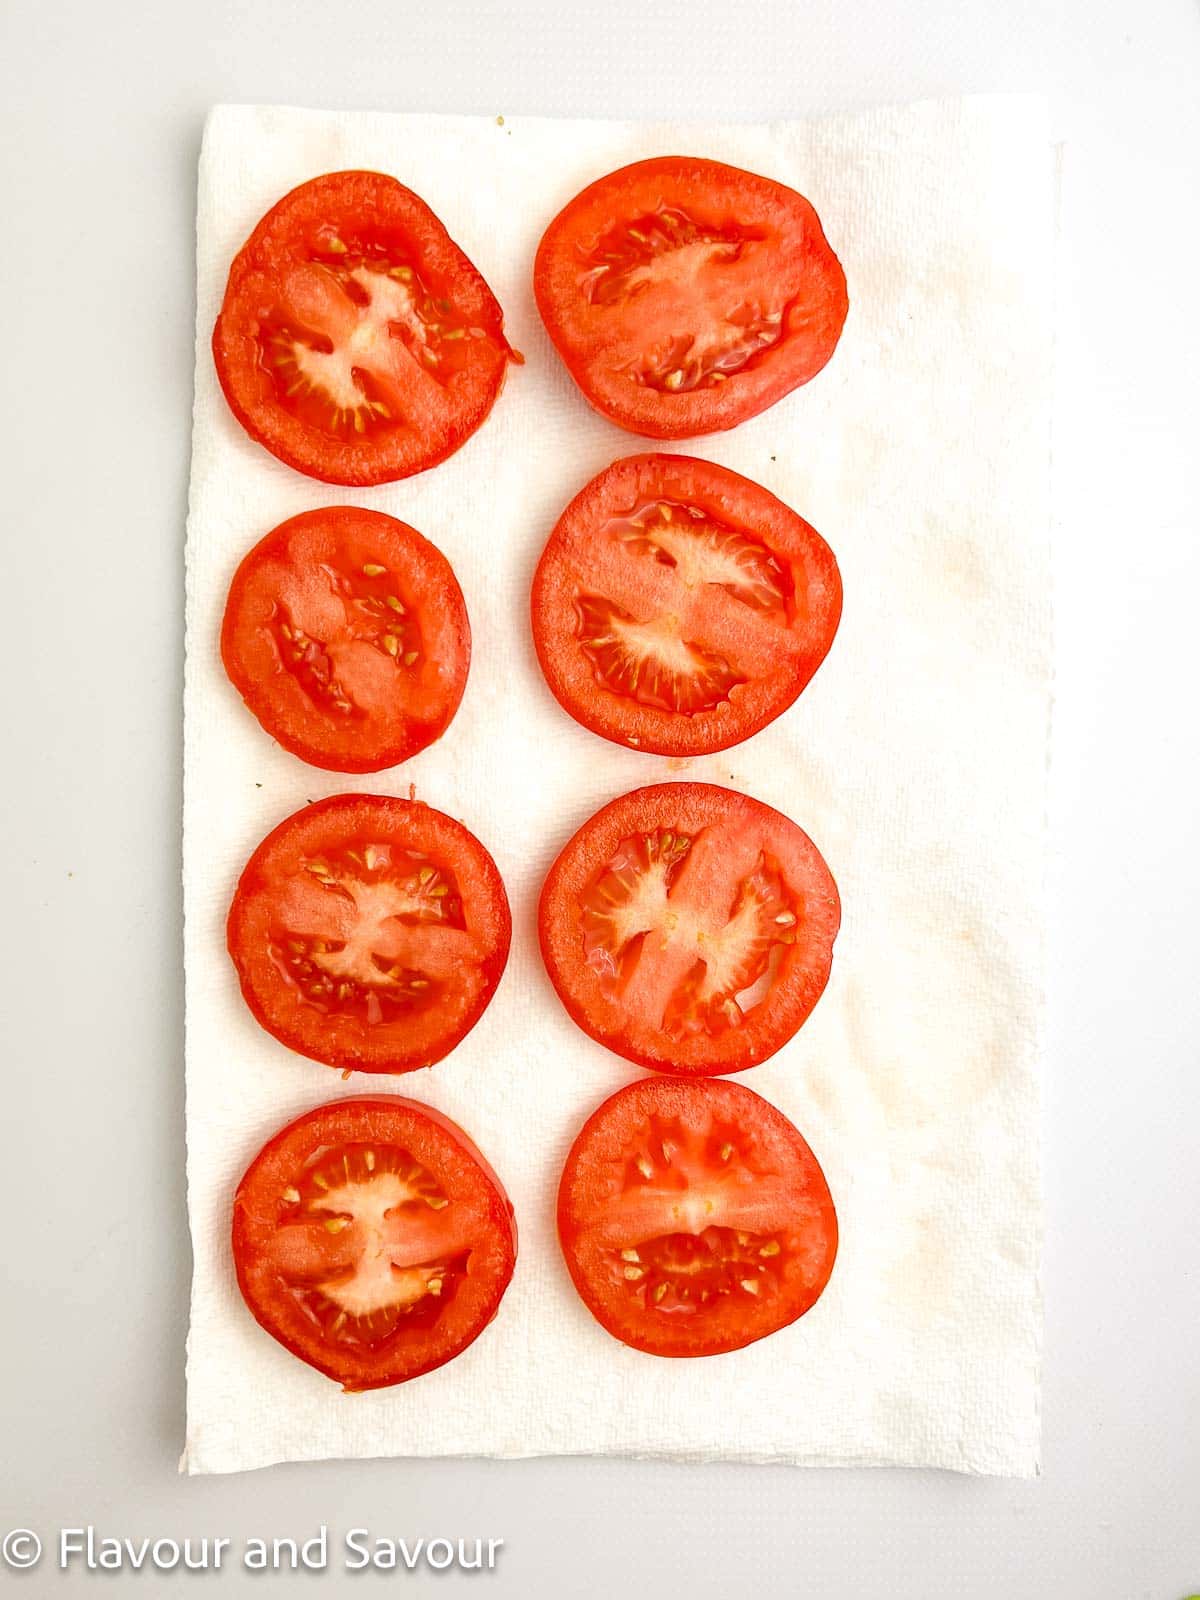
279,872
793,648
603,999
427,694
297,230
757,1172
459,1166
776,254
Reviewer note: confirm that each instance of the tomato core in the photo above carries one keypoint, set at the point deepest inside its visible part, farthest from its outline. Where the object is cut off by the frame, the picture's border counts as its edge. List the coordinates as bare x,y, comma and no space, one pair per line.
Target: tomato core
353,320
698,967
366,1255
373,616
366,974
653,660
680,1174
672,250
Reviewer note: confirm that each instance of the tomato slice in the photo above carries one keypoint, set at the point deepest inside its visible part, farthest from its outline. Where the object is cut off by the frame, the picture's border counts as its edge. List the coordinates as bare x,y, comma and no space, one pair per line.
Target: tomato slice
369,932
689,928
346,634
373,1240
694,1218
356,341
685,295
678,607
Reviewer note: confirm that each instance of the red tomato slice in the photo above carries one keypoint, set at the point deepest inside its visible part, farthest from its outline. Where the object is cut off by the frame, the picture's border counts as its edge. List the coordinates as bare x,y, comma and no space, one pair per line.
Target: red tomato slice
369,932
679,607
685,295
346,634
689,928
693,1217
372,1239
356,341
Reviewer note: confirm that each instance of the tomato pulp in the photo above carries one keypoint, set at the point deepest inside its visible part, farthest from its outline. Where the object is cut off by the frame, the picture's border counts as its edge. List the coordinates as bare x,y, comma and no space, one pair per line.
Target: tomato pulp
689,928
679,607
346,634
694,1218
372,1239
356,341
369,933
685,295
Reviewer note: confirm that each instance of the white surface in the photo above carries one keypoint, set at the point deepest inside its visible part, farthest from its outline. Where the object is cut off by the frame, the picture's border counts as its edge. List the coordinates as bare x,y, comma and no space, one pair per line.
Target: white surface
915,1078
103,109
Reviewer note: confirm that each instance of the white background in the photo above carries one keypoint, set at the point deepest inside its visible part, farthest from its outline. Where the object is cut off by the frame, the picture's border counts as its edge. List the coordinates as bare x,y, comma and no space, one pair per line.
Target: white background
102,108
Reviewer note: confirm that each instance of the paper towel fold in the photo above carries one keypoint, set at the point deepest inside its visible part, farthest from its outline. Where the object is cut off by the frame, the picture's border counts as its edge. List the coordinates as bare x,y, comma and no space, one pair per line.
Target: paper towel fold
915,759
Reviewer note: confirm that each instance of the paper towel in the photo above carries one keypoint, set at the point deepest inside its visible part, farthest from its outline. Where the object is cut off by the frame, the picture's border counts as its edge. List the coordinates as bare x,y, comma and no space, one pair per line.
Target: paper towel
915,759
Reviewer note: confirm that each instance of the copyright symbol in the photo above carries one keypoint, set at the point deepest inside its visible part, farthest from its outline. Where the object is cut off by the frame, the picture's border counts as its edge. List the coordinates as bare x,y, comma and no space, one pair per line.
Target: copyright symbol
21,1548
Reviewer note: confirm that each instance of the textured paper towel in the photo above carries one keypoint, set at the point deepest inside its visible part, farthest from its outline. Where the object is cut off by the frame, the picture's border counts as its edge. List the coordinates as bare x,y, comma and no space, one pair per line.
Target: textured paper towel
915,759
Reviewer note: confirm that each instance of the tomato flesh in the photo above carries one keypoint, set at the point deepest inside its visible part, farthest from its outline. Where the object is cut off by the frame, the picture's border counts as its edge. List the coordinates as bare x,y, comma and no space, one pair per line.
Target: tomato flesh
694,1218
372,1240
685,295
369,933
356,341
346,634
679,607
689,928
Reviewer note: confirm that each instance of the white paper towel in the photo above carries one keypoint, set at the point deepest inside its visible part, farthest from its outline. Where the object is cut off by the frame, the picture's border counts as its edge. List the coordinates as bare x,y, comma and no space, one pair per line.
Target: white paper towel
915,759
